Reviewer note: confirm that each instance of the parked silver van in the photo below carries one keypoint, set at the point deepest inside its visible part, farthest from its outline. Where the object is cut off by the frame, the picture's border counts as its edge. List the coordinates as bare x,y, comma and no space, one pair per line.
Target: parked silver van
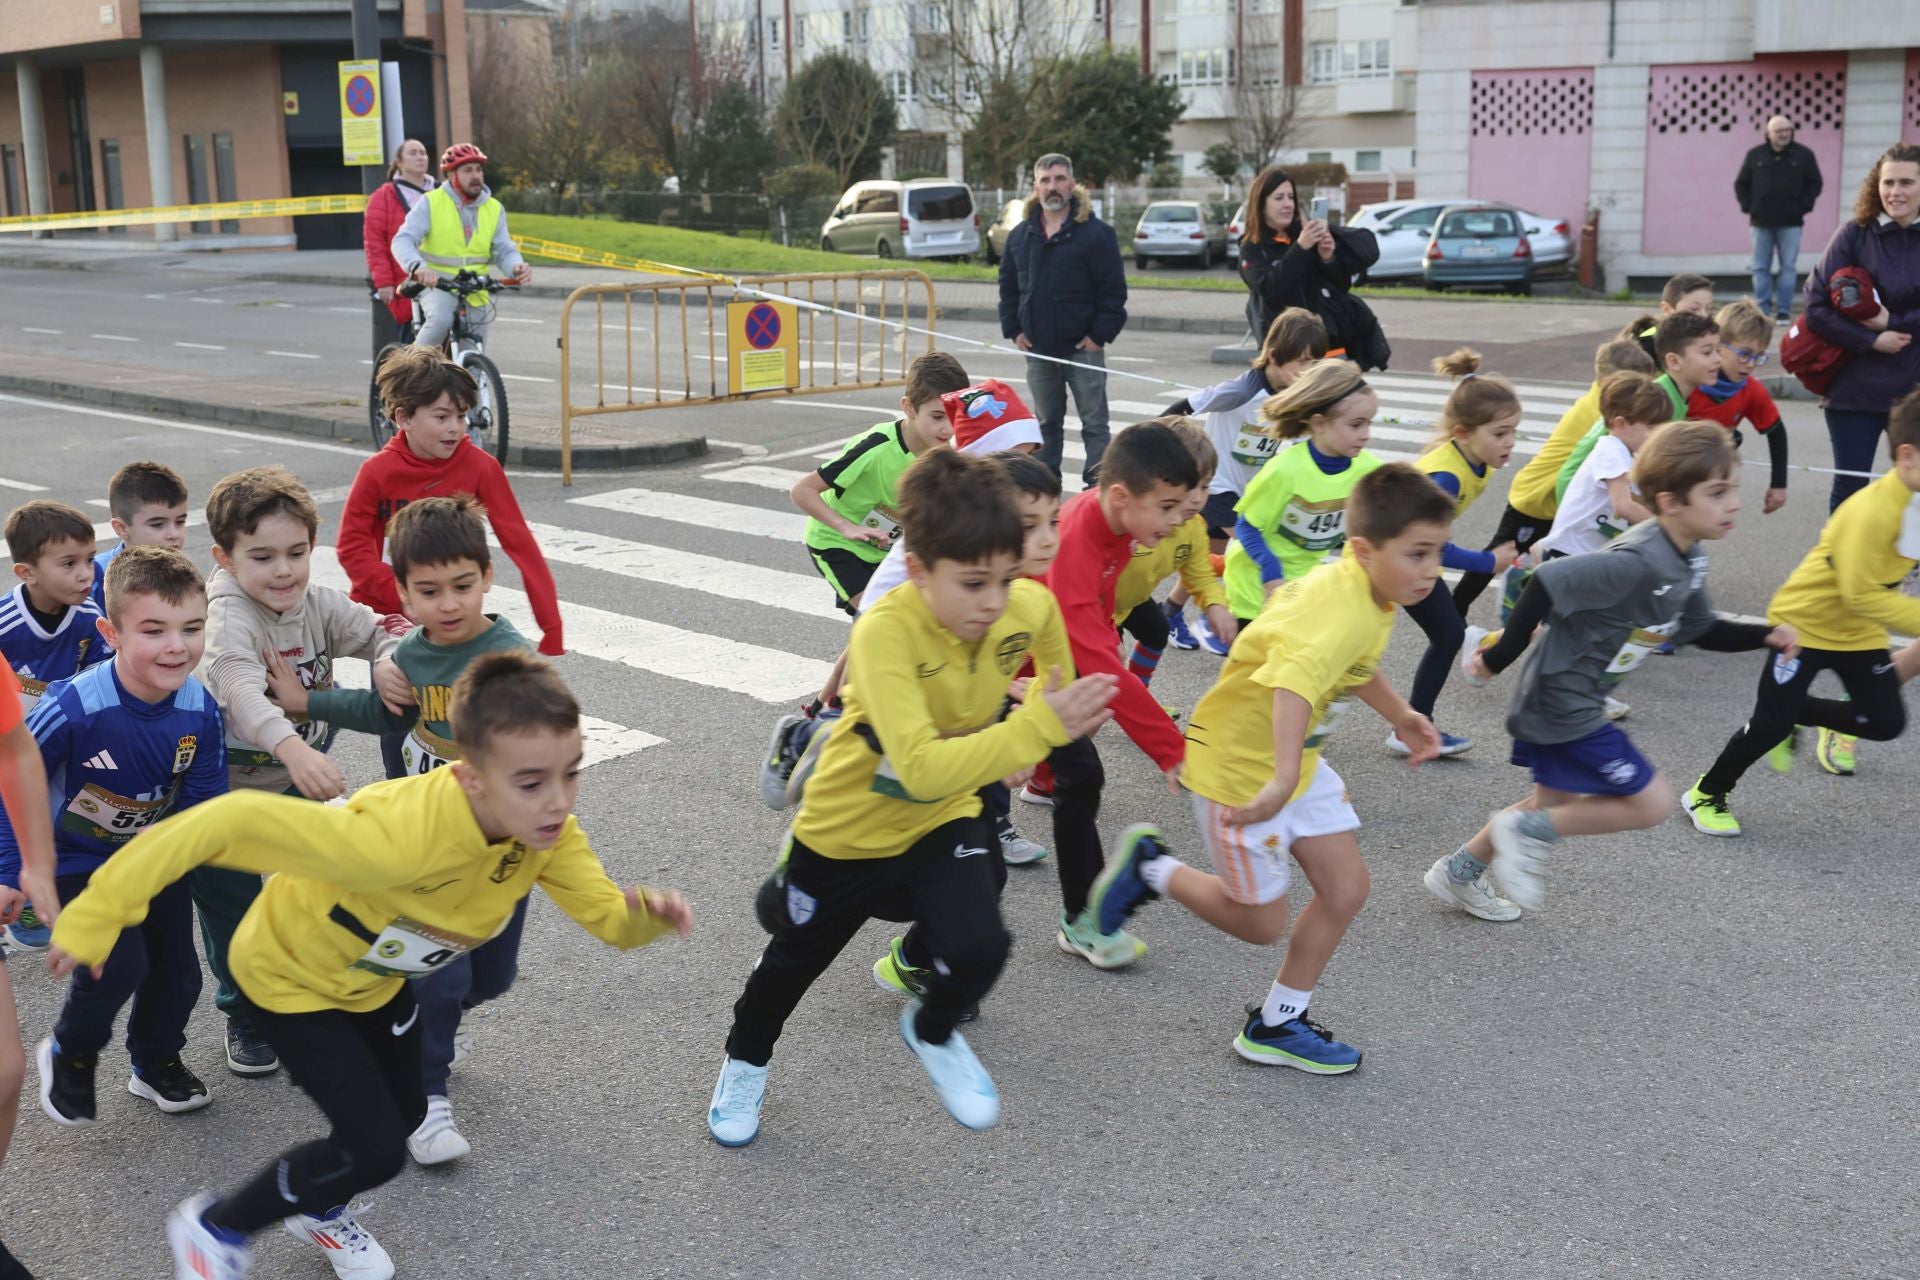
921,218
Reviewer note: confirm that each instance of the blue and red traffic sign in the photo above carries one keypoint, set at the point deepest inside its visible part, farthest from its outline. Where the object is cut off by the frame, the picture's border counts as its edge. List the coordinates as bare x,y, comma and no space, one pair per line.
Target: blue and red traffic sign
360,95
763,327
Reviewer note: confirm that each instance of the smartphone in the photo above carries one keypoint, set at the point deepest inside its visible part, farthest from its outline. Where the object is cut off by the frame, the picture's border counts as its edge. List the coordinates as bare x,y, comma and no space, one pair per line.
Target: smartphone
1319,209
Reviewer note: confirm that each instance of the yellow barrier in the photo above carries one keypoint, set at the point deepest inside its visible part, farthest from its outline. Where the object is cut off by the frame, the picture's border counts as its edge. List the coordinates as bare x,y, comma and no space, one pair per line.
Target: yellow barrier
224,210
871,305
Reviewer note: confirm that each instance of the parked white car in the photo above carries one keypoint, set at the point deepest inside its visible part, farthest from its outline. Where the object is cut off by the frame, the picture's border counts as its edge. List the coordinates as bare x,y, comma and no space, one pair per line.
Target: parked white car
1177,229
1403,227
922,218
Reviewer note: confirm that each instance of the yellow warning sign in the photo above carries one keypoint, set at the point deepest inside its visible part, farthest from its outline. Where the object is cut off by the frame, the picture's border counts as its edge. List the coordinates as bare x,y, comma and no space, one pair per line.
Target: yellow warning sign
360,140
763,347
290,103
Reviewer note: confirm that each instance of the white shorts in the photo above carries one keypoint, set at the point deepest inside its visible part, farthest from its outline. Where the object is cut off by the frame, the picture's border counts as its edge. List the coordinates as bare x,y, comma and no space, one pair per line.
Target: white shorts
1251,861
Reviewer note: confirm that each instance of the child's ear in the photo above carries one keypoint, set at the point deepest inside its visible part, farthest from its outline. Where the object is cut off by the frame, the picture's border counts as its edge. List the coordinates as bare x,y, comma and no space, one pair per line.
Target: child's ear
24,572
119,528
1362,550
916,570
107,633
222,557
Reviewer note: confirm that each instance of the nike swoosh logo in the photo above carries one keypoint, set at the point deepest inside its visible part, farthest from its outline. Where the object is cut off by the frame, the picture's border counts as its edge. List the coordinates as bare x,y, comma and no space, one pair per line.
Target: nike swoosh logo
965,851
401,1028
1881,668
435,888
1660,591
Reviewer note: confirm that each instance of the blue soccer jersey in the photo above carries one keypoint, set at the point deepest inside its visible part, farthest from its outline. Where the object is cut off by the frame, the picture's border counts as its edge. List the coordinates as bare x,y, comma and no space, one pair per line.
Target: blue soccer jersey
115,764
100,563
39,656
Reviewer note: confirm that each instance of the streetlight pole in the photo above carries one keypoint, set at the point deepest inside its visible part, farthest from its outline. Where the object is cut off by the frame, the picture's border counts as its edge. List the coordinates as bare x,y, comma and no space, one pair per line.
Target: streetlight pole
366,48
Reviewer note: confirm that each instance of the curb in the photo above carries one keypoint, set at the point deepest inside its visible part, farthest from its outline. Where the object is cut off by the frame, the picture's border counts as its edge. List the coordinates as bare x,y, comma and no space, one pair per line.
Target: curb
588,457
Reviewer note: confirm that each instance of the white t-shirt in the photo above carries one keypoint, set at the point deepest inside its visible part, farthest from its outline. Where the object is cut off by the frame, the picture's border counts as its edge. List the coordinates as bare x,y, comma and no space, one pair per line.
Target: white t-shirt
1586,521
1232,413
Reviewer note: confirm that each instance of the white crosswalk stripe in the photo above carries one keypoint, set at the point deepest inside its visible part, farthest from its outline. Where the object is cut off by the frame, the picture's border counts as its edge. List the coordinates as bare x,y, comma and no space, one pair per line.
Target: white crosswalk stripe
786,526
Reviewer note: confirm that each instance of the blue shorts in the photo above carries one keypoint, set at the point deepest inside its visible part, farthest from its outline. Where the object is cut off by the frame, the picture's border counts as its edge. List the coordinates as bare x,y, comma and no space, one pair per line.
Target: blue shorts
1604,763
1218,513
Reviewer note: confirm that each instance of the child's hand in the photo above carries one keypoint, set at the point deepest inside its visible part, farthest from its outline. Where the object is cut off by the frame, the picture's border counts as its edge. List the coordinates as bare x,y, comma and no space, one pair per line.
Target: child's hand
1018,689
1775,499
1223,623
1419,735
391,683
283,684
1172,775
1270,800
1785,639
1503,557
1476,666
664,904
313,775
1892,342
11,900
60,964
860,533
1082,705
1015,781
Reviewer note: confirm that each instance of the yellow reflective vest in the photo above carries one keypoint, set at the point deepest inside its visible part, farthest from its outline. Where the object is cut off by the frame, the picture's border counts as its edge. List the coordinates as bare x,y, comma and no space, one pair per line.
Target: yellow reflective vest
447,248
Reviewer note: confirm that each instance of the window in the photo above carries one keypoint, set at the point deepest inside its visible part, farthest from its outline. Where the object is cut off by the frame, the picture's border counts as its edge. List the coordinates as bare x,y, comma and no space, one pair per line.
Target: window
800,32
1479,223
1319,157
10,179
773,33
878,200
1420,218
940,204
904,85
1366,60
1172,213
866,26
197,178
110,176
223,176
846,26
1203,67
1324,63
1366,162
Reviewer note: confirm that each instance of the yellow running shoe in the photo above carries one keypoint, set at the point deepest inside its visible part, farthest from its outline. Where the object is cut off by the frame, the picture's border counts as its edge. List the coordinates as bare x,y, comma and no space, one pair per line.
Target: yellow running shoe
1780,758
1834,751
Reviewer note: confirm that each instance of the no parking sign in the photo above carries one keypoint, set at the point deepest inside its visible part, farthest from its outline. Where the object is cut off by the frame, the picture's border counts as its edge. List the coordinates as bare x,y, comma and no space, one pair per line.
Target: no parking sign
763,347
360,138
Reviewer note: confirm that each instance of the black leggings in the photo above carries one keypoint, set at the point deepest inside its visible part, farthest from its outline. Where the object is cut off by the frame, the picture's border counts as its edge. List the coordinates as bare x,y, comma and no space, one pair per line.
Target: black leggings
1440,619
1078,779
363,1071
1874,709
1517,527
1148,624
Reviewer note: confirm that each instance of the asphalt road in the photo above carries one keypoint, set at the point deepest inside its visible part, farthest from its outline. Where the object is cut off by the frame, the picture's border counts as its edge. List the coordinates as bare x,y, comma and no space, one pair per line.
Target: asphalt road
1695,1063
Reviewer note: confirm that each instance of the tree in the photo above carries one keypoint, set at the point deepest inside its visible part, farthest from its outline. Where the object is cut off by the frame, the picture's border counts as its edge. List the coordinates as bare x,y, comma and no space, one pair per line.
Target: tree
730,149
1267,117
837,112
1101,110
1222,160
976,61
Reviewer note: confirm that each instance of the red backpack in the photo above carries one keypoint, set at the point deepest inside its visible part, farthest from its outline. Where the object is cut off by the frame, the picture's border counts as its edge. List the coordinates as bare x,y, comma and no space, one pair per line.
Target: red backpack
1811,358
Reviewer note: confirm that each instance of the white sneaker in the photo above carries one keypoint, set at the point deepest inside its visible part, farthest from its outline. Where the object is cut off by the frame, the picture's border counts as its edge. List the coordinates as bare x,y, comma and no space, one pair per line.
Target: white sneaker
1475,640
355,1255
733,1117
462,1046
1521,861
1017,850
198,1254
437,1140
1042,798
1477,897
965,1088
1617,710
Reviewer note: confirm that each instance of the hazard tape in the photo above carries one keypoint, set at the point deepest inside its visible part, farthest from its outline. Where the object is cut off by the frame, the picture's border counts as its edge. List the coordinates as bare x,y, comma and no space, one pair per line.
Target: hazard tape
221,211
573,253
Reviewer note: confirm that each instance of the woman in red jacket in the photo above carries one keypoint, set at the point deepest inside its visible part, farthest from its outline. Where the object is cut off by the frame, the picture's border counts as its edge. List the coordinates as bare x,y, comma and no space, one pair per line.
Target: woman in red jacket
408,180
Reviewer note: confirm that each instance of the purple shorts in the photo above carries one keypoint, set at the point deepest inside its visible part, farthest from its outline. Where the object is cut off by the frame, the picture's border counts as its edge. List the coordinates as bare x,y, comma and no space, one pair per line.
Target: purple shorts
1604,763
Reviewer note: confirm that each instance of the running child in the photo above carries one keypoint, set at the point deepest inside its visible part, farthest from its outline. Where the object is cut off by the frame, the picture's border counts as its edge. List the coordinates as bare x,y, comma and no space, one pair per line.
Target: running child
1745,335
49,631
1841,600
1600,501
1474,438
890,824
1689,292
1261,790
1531,500
1689,346
126,743
438,549
1605,613
261,604
1295,340
148,505
1184,552
405,878
1293,514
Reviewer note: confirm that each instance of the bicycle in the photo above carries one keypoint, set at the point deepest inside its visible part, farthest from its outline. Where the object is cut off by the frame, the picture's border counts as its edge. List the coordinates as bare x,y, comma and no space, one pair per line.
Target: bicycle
487,420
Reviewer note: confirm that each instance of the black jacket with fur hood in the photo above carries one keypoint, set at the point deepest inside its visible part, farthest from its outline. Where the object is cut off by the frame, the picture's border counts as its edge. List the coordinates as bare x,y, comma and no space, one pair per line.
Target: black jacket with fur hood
1060,289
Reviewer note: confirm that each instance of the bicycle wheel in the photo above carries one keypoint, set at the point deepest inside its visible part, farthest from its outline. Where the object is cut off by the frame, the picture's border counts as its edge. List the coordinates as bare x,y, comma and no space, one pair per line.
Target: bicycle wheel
378,423
487,424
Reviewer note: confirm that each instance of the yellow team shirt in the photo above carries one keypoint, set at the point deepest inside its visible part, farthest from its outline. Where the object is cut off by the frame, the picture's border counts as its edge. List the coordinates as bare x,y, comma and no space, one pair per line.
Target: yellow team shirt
1847,593
1468,483
922,731
1532,490
1318,636
358,899
1187,551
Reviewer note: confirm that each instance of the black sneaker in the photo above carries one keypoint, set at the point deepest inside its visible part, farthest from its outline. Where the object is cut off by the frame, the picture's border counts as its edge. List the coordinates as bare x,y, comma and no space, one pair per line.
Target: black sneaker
169,1086
66,1085
247,1053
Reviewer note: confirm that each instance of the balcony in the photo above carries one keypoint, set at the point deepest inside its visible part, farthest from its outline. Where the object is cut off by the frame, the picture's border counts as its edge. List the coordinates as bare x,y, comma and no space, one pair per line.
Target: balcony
1372,97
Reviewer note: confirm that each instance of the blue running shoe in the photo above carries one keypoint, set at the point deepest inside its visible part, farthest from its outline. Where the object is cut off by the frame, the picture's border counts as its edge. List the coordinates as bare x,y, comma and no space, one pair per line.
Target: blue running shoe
1665,650
1451,744
1210,642
1177,629
733,1117
1299,1043
27,932
1120,889
965,1088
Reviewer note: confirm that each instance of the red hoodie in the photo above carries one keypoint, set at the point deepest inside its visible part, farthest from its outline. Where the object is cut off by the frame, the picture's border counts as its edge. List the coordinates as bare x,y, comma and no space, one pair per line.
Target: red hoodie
395,476
1082,579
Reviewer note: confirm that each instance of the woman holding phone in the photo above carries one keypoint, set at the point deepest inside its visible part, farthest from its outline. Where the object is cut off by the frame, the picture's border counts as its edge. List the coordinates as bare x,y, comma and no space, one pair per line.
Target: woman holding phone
1287,260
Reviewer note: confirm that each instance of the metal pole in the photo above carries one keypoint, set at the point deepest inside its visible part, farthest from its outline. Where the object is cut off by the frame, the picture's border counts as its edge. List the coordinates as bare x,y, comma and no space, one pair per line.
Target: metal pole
33,128
366,48
153,92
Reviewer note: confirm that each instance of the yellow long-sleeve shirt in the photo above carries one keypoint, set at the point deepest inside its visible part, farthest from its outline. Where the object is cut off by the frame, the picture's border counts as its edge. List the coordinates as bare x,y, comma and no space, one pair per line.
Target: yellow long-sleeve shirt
359,899
922,730
1185,550
1532,490
1846,593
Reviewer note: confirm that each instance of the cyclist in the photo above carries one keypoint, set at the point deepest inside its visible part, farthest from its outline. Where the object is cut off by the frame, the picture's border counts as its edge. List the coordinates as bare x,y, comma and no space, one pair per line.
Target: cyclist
458,226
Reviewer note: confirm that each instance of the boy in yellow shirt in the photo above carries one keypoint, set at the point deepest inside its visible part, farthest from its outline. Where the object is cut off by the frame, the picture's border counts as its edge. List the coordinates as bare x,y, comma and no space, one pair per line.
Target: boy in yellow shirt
408,876
1261,790
1842,600
890,824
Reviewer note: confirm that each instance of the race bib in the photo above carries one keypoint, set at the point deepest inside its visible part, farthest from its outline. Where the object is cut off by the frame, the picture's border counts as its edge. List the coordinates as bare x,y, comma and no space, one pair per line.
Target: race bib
887,783
1252,448
99,814
418,758
1315,526
883,520
1642,642
1329,721
408,949
1610,525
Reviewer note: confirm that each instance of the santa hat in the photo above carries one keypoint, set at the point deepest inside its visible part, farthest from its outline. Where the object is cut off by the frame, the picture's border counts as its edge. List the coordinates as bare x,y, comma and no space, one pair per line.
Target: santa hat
988,417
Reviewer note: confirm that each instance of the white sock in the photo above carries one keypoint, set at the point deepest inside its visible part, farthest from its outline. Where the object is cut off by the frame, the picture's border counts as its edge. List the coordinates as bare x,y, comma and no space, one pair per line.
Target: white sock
1283,1005
1158,872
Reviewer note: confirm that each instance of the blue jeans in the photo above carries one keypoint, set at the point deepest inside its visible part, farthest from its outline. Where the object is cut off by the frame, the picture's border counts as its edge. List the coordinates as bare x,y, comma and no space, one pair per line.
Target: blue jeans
1856,437
1049,382
1766,241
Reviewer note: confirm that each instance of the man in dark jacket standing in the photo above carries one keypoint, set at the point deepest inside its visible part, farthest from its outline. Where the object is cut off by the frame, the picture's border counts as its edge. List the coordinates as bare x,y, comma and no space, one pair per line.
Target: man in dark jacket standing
1063,293
1778,183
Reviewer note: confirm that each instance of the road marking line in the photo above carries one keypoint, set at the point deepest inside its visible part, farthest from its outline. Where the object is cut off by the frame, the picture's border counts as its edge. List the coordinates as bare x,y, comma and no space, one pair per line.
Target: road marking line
215,302
200,346
22,484
280,441
786,526
515,320
765,477
111,337
55,332
689,571
354,311
295,355
523,377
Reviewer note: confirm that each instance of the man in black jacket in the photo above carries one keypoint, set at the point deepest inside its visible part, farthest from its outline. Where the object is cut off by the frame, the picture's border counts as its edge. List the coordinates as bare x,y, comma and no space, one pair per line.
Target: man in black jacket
1063,293
1778,184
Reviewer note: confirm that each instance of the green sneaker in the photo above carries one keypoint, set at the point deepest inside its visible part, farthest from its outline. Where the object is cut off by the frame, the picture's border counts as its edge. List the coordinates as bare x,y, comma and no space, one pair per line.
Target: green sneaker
1711,813
892,973
1834,751
1780,758
1116,950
